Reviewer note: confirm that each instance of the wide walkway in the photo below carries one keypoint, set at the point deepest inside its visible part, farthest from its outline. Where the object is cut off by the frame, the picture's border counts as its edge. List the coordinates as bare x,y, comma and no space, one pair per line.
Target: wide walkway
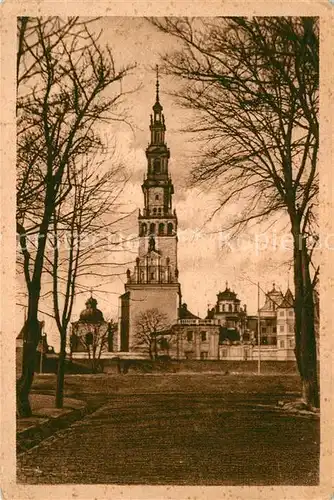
180,437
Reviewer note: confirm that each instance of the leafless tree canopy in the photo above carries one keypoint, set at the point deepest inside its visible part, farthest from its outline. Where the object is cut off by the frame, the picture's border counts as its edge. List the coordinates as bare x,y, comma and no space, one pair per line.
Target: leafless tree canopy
254,83
94,339
151,327
67,87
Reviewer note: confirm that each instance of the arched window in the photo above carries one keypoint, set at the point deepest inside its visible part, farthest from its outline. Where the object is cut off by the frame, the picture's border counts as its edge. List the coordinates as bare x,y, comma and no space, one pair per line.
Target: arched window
156,196
230,307
169,228
143,229
157,166
161,228
159,210
154,211
152,228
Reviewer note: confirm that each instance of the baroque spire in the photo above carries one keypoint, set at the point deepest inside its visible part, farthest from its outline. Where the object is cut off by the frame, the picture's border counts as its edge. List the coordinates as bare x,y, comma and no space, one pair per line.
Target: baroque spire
157,84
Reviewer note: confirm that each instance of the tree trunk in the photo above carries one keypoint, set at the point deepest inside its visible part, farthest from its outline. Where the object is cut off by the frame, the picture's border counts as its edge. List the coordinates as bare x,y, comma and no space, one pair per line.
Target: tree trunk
31,336
155,347
61,372
32,327
305,350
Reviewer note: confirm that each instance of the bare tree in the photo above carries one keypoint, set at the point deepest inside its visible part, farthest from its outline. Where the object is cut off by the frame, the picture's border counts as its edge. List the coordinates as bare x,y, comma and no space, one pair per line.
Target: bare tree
67,85
254,85
94,338
151,328
81,243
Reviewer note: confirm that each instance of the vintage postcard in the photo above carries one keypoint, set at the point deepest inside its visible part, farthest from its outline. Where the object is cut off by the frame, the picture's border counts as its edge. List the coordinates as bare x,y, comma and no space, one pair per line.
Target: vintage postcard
166,326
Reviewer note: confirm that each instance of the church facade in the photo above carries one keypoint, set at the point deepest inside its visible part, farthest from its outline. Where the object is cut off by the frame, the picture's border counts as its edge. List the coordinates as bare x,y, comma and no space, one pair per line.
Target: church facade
153,283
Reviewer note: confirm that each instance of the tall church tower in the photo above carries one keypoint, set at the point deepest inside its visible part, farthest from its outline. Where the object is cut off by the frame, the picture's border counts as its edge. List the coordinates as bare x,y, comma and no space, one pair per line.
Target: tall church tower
154,280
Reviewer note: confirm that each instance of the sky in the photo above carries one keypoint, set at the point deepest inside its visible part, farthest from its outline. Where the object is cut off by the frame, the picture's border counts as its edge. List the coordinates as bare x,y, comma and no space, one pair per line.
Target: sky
206,260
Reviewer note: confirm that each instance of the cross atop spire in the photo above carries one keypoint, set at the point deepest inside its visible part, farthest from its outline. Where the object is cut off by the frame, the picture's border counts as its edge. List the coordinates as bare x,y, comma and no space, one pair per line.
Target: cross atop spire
157,84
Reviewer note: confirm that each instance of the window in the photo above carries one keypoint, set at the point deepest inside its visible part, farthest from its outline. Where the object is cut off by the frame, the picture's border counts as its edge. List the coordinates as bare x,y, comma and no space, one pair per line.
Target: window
274,329
156,196
152,276
281,313
291,329
235,307
157,166
230,307
143,229
159,210
204,355
221,307
152,228
281,344
291,313
263,329
161,228
281,328
169,228
154,211
204,336
189,336
291,343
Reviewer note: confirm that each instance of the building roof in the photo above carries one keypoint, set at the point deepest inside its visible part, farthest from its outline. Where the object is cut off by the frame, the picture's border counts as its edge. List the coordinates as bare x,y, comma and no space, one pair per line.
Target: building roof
288,300
91,314
227,294
273,300
185,314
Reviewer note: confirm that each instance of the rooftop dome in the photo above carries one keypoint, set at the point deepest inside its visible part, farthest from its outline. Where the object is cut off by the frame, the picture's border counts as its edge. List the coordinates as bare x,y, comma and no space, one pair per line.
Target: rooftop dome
227,294
91,314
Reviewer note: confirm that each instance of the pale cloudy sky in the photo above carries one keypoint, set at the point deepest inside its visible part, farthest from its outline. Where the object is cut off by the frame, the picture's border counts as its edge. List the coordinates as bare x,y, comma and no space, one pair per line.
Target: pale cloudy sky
204,264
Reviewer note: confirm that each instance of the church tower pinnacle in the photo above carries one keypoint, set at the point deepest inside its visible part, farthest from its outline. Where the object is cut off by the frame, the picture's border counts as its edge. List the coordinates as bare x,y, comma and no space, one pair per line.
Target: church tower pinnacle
154,281
158,220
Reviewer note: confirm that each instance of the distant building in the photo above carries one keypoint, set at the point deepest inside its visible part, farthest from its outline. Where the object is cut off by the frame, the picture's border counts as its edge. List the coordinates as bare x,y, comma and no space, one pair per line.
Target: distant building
268,317
285,317
231,315
277,321
194,338
91,331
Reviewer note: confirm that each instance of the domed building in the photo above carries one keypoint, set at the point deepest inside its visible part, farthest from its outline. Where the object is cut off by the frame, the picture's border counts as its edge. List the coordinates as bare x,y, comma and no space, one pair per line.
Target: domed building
91,334
230,313
91,314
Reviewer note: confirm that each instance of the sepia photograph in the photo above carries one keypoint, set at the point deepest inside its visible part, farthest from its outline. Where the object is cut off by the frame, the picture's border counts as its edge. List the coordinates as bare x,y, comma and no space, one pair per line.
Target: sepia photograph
169,251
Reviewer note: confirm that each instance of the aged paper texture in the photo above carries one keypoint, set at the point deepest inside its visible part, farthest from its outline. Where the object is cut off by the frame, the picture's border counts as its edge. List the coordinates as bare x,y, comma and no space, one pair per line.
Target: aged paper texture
203,272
